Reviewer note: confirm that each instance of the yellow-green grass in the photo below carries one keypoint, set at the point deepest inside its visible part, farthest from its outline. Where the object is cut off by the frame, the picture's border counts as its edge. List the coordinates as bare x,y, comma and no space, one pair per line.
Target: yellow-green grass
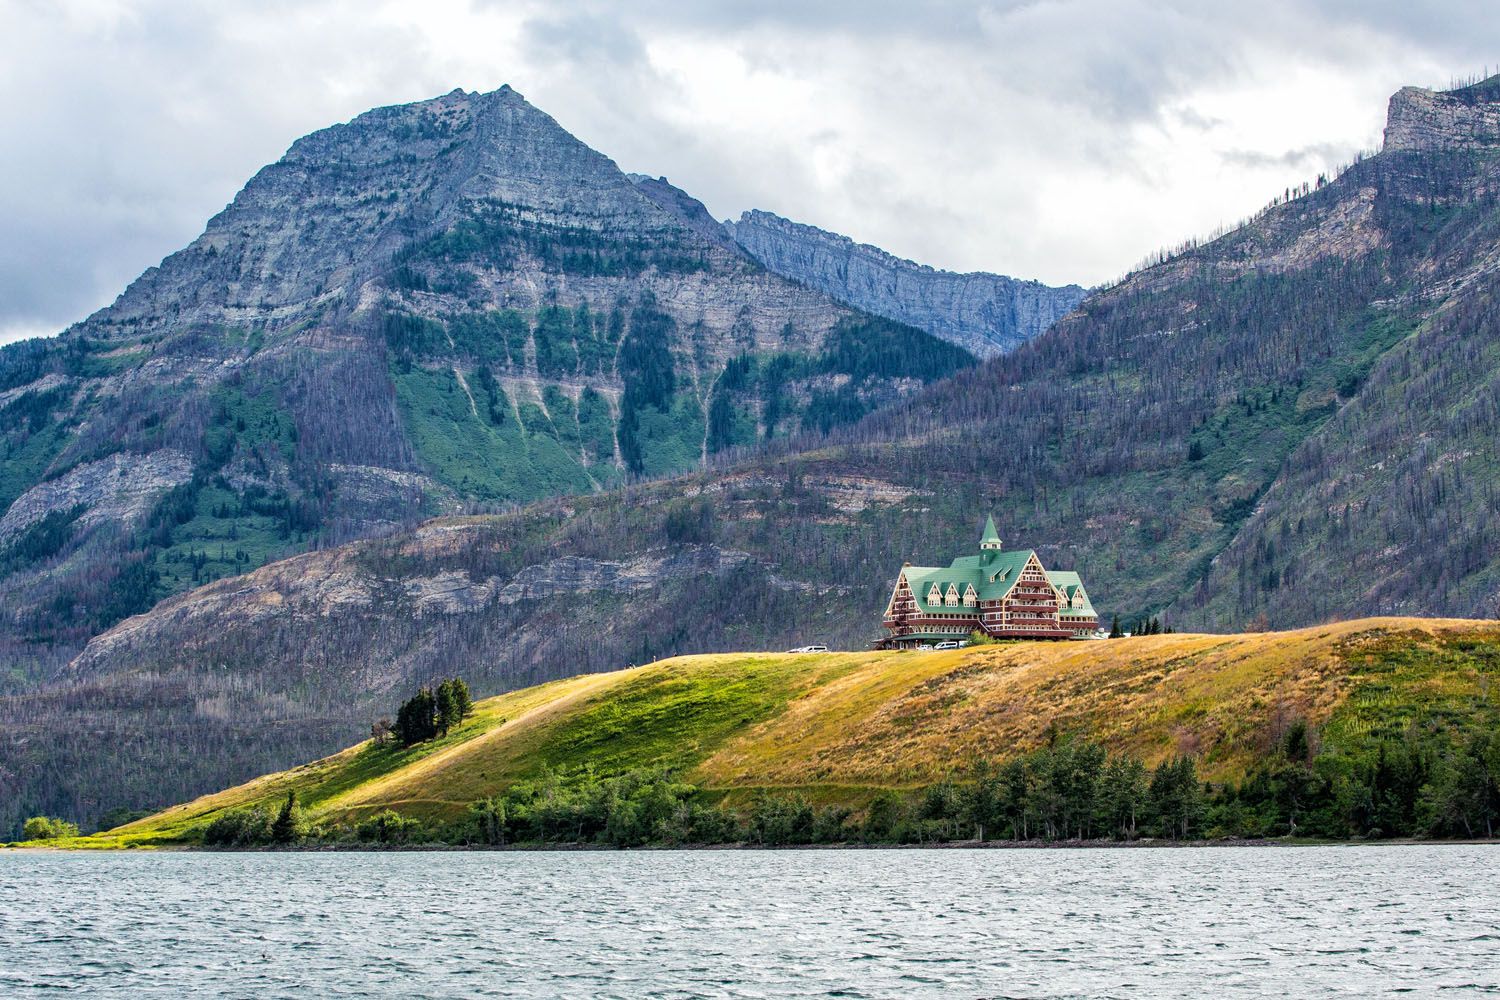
837,727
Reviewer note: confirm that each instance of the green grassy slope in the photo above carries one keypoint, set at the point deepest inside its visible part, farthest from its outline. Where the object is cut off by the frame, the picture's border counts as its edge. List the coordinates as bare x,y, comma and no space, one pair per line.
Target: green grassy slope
838,727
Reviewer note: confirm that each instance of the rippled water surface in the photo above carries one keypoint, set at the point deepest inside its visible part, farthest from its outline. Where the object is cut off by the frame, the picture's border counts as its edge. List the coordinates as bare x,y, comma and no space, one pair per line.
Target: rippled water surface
1295,922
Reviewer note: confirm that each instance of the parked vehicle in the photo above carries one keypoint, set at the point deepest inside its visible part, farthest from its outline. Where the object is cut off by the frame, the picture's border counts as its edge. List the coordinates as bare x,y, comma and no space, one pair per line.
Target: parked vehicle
949,644
809,649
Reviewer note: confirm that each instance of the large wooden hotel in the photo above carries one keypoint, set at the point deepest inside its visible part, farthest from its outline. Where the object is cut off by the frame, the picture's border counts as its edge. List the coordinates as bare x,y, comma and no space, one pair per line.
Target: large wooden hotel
1007,595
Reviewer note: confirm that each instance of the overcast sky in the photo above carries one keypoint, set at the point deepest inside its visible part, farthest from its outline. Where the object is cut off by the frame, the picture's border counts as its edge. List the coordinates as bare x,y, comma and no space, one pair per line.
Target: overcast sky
1059,140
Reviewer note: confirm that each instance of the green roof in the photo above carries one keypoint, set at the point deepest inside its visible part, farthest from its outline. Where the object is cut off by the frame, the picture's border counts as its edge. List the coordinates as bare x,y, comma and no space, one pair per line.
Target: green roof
991,580
990,534
991,573
1069,583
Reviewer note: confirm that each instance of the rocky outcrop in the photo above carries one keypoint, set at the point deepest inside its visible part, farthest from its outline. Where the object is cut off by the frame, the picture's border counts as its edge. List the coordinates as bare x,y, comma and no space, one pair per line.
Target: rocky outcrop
121,488
572,576
331,591
683,205
986,314
1467,118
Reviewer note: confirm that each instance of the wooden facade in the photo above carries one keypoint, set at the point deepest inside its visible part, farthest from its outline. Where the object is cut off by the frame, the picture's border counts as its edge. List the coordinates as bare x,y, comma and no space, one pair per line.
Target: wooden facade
1002,594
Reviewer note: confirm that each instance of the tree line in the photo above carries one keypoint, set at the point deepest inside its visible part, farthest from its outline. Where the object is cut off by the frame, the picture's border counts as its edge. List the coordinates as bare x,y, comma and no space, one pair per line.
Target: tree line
1067,790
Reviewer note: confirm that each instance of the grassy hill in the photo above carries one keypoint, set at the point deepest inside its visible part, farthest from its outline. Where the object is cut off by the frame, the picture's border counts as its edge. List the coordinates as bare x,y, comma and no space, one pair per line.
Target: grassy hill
840,727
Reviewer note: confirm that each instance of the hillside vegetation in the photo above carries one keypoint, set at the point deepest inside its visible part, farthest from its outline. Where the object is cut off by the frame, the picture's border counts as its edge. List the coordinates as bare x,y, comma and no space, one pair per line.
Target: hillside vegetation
839,728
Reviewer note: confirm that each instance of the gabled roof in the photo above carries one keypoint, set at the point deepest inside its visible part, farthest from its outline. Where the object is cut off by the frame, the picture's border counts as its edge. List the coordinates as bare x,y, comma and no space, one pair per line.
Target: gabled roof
1069,583
991,575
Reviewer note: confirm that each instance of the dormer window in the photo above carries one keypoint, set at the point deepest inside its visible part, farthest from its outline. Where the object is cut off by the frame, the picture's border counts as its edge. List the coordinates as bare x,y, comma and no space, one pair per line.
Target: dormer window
935,595
971,598
951,599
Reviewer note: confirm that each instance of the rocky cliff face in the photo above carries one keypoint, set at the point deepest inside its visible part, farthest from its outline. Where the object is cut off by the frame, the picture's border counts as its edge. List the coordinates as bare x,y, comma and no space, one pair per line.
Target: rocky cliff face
986,314
1467,118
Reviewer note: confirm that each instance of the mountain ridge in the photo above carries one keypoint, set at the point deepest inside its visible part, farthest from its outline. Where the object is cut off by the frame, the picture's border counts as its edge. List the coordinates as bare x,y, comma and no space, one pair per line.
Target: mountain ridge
984,313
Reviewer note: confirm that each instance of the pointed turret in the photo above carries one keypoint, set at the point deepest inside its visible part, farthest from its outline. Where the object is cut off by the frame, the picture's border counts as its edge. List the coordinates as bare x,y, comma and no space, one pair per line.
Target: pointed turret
991,538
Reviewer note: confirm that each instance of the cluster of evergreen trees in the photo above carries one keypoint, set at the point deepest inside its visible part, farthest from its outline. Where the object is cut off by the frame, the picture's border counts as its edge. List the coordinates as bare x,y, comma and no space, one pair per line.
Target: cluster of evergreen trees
429,713
1425,784
1145,626
1066,790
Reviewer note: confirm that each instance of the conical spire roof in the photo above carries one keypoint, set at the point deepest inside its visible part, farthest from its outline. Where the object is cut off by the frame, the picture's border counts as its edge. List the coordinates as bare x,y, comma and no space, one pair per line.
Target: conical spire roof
991,537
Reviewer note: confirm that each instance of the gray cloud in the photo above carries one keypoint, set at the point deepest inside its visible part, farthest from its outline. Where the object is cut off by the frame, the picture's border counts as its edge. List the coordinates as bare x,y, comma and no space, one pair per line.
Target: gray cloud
1060,139
1302,158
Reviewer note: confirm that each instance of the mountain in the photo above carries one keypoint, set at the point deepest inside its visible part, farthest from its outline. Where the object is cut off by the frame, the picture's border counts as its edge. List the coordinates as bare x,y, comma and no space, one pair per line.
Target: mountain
1293,423
838,728
985,314
434,305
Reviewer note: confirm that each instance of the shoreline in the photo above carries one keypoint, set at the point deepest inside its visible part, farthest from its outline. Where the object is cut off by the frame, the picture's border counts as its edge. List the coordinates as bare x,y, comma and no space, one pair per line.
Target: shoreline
956,845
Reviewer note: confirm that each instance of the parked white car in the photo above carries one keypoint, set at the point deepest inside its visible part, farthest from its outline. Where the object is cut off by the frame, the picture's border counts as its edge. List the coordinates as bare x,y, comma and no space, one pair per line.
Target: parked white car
950,644
809,649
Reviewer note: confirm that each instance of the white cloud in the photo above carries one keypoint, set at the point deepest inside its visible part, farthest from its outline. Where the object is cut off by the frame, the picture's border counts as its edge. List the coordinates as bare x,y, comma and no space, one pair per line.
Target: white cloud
1061,139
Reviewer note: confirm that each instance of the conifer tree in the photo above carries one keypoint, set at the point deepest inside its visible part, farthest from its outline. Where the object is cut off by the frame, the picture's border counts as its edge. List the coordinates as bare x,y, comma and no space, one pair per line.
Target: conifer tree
445,708
462,699
287,827
406,723
415,720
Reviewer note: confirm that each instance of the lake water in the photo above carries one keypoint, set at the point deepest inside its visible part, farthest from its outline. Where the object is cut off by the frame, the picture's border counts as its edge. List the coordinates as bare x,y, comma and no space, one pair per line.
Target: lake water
1218,922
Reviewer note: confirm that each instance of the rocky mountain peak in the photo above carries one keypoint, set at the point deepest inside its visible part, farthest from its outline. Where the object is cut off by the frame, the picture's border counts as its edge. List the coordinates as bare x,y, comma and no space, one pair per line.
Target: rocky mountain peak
1467,118
434,303
308,230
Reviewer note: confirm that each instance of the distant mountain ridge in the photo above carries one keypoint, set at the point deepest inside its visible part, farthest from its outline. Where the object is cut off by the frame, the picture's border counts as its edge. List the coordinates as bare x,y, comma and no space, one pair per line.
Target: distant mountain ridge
986,314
